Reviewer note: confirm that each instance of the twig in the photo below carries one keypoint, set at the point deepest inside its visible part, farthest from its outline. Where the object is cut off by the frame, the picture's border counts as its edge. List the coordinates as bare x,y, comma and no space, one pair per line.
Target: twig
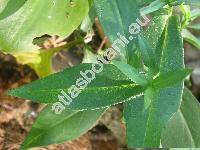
66,46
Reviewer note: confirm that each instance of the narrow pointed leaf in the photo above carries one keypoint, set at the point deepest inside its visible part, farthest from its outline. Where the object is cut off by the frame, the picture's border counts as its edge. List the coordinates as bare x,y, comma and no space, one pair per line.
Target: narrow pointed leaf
164,102
194,2
147,52
131,73
195,14
107,88
184,127
189,37
50,128
152,7
136,120
144,2
148,97
115,17
194,26
171,78
154,35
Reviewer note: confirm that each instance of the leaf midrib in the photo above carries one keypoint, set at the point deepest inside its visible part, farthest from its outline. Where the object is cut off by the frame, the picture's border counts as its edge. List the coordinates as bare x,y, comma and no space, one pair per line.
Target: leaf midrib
87,88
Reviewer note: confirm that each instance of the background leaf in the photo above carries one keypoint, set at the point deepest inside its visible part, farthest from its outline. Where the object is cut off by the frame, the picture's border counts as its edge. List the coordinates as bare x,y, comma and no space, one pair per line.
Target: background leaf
189,37
11,7
194,26
195,13
195,2
184,127
36,18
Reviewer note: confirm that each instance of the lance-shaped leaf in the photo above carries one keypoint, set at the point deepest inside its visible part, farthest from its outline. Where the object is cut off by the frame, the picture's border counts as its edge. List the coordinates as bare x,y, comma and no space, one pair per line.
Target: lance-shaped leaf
195,14
148,97
136,118
171,78
165,102
148,53
50,128
88,90
194,26
154,6
116,16
144,2
184,127
154,36
131,73
189,37
36,18
194,2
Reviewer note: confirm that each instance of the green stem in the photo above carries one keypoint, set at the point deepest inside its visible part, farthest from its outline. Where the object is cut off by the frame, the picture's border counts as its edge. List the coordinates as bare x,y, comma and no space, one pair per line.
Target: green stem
187,15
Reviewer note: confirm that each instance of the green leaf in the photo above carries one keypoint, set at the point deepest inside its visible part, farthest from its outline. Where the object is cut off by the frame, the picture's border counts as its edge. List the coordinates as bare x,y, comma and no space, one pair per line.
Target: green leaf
186,15
194,2
50,128
136,121
179,2
39,60
89,57
148,97
194,26
189,37
166,101
144,126
115,17
171,78
154,6
144,2
184,127
195,14
136,60
172,47
36,18
131,73
153,35
104,89
11,7
147,52
3,4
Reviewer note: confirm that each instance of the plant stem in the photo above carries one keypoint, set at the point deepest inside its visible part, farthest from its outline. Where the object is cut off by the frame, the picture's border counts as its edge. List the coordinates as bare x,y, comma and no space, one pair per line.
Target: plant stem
66,46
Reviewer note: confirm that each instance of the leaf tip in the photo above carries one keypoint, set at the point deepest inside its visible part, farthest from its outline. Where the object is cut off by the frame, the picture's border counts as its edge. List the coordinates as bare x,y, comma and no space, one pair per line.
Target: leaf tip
14,92
11,92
